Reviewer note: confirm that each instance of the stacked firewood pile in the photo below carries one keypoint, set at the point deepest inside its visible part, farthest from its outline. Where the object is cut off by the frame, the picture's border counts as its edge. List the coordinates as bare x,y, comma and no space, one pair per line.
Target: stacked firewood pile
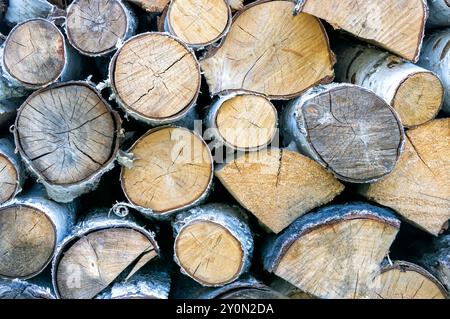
221,149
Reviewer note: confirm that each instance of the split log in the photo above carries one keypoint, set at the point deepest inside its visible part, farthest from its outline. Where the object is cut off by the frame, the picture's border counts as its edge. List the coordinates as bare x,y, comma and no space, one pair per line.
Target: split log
101,247
236,4
31,227
198,23
20,289
418,188
213,244
414,92
439,13
373,21
242,121
437,259
280,57
171,170
155,78
404,280
436,57
67,135
154,6
334,252
95,28
277,185
12,173
20,10
346,128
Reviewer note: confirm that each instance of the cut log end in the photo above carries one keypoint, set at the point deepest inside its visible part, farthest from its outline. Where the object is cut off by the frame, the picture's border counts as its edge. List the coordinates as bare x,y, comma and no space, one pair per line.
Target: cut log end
97,258
267,56
172,169
404,280
246,122
27,243
8,179
155,77
198,22
419,98
154,6
34,53
95,27
66,133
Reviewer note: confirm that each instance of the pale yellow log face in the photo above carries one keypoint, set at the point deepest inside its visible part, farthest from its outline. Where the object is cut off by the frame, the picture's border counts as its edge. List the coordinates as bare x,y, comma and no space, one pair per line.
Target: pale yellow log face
270,51
288,185
209,252
34,52
172,168
8,179
27,241
419,99
156,76
95,27
338,260
198,22
247,121
96,259
395,25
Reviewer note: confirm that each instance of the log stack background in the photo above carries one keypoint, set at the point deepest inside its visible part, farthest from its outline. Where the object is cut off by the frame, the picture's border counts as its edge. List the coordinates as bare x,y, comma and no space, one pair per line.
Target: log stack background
222,149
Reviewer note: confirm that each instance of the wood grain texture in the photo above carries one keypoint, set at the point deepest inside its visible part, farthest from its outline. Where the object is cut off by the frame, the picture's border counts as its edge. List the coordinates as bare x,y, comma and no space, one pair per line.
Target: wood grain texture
418,188
66,132
277,186
27,242
34,53
172,169
397,26
8,179
270,51
155,76
156,6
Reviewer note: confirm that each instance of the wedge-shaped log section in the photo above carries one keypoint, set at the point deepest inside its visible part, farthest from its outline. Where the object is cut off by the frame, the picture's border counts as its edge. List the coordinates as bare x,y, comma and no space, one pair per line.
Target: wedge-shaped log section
375,21
270,51
348,129
418,188
404,280
277,185
334,252
101,248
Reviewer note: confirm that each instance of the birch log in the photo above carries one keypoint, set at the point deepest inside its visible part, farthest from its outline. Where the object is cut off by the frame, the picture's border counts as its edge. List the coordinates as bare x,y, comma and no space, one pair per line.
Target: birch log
31,227
67,135
242,121
348,129
278,185
334,252
171,169
155,78
198,23
101,247
414,92
20,10
8,111
404,280
418,188
12,173
21,289
95,28
213,244
374,22
436,57
439,13
271,52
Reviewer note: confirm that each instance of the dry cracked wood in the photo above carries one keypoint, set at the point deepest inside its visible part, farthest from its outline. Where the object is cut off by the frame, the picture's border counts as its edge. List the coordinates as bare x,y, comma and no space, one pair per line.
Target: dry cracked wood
334,252
404,280
34,53
418,188
172,169
277,186
397,26
270,51
8,179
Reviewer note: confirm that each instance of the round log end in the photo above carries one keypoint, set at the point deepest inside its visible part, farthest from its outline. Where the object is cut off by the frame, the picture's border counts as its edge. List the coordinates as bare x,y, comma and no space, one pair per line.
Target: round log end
34,53
8,179
173,168
27,242
155,77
